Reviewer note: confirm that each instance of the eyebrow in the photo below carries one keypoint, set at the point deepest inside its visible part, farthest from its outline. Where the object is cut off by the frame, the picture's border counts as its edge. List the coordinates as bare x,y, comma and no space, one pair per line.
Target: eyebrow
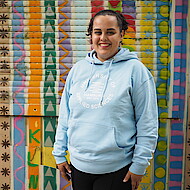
107,29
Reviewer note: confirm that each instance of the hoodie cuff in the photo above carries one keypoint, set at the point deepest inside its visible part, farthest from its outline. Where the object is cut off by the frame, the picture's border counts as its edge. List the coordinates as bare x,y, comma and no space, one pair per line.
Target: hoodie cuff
137,169
60,160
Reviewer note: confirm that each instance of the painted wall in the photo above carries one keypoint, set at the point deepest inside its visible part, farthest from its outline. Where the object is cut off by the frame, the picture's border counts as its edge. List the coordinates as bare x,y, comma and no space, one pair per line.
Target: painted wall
40,40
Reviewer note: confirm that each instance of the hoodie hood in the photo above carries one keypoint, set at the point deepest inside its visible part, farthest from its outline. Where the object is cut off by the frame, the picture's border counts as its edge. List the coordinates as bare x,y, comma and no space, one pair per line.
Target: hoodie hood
122,55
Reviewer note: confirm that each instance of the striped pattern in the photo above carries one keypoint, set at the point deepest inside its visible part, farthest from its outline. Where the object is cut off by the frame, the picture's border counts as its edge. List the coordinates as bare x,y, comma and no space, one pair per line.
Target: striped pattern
179,90
40,40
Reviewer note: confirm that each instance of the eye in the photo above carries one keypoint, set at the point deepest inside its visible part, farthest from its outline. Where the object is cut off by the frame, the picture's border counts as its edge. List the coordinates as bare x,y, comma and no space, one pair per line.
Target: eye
98,33
111,33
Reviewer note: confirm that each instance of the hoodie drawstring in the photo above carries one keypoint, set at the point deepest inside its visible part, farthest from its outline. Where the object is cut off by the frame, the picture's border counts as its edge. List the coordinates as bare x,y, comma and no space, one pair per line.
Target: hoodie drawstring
90,76
106,83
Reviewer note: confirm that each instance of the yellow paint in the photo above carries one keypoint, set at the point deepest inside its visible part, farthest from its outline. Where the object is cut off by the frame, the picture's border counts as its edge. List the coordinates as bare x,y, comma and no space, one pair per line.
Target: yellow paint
161,159
164,10
146,23
159,186
148,62
144,48
162,103
162,132
147,55
129,41
162,145
147,177
144,29
165,58
35,155
165,29
151,4
160,172
147,9
47,157
164,43
164,74
162,88
163,116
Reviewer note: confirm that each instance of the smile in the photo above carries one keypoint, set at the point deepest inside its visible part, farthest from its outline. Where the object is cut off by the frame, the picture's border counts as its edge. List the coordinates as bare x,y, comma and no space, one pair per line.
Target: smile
104,45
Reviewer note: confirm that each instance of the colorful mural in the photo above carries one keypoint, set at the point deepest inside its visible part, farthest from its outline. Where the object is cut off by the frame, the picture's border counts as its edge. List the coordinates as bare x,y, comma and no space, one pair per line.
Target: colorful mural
40,40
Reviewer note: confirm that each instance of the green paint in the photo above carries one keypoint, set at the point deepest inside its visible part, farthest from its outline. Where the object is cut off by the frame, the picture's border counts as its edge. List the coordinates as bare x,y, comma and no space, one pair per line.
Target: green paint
31,135
33,182
29,161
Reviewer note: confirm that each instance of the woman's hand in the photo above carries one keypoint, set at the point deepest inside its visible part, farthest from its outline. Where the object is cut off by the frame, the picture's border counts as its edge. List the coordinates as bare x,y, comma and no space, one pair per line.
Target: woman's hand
135,179
64,168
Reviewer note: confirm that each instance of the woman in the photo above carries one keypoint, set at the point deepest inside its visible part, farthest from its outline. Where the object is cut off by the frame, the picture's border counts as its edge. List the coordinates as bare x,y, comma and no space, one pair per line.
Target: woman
108,113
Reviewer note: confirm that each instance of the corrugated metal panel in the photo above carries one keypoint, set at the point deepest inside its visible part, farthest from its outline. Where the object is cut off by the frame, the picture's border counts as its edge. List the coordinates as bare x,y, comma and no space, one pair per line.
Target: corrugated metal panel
40,40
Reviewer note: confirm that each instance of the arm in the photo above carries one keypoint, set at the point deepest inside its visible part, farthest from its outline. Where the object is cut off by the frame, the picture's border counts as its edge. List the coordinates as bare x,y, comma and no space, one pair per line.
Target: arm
146,113
60,145
145,107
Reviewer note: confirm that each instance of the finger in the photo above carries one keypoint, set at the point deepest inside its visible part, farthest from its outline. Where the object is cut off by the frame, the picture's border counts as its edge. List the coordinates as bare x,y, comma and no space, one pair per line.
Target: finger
137,185
65,175
68,168
127,177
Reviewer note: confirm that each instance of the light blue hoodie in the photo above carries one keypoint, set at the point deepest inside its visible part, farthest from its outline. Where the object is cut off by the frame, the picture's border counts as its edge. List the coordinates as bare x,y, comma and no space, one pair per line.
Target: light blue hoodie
108,115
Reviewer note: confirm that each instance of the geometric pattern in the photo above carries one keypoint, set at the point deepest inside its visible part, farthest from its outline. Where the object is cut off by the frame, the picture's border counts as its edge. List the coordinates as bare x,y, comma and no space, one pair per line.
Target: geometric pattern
40,40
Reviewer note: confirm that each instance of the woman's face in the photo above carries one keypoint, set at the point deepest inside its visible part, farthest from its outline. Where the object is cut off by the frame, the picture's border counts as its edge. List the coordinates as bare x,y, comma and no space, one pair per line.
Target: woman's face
106,36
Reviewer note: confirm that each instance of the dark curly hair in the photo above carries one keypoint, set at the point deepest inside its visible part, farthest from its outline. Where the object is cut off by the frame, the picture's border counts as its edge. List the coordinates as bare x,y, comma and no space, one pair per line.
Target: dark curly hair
122,23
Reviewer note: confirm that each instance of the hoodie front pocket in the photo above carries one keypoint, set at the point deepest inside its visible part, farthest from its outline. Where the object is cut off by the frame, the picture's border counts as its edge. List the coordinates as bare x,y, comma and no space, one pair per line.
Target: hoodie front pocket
92,140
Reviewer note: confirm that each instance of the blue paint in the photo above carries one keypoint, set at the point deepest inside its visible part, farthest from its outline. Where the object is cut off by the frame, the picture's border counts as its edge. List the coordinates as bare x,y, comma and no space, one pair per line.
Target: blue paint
176,152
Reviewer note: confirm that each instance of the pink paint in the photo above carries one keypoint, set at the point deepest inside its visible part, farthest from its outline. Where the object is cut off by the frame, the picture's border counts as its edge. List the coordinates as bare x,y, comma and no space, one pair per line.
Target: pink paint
178,29
185,2
177,121
177,43
176,82
178,2
175,108
176,146
176,132
177,69
178,15
184,16
176,95
184,55
175,171
175,184
175,158
182,97
177,55
183,84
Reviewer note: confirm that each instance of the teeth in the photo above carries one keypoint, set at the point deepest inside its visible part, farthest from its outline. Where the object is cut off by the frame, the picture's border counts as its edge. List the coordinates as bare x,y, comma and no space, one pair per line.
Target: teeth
104,45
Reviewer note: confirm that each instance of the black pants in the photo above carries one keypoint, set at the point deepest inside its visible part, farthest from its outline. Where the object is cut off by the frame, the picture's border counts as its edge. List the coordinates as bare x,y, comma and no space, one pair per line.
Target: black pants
108,181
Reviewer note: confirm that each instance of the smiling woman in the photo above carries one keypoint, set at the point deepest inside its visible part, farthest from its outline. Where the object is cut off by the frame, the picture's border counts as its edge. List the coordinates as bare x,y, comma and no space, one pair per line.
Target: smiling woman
108,123
106,37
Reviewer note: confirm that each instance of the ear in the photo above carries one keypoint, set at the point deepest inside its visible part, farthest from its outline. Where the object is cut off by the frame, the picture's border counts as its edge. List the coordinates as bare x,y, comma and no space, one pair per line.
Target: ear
122,33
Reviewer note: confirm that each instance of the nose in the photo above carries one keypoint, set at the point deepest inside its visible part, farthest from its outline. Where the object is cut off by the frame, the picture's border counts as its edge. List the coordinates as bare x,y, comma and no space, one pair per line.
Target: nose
103,37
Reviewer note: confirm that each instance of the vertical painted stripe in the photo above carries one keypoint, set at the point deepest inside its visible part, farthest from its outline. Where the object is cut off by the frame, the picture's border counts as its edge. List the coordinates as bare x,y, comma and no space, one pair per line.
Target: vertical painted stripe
179,84
5,93
65,56
65,50
162,82
18,106
50,107
35,41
